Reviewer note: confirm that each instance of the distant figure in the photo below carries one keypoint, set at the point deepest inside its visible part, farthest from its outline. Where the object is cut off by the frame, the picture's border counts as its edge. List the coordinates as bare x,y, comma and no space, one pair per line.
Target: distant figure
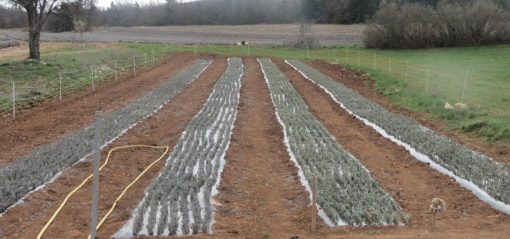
244,43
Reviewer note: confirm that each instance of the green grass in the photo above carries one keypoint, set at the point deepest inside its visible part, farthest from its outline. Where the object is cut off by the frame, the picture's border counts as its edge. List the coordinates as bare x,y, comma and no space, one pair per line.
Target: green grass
36,80
492,61
489,119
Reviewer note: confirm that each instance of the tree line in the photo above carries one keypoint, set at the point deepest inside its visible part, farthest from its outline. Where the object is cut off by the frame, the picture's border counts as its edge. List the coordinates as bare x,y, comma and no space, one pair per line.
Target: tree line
222,12
449,23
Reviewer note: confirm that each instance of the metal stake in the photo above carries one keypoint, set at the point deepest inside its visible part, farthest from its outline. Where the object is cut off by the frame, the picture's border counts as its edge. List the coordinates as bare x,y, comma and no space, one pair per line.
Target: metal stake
347,56
134,65
153,57
95,178
116,73
407,69
314,202
428,79
375,55
60,86
464,88
389,65
92,77
13,99
358,58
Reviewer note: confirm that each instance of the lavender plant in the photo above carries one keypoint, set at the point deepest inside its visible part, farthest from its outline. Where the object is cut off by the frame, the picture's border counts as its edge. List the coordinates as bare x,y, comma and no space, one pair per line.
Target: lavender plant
490,176
178,201
346,192
43,164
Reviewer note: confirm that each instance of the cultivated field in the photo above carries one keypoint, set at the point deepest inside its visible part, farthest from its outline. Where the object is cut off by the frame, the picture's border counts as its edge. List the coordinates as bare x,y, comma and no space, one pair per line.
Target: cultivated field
254,34
246,135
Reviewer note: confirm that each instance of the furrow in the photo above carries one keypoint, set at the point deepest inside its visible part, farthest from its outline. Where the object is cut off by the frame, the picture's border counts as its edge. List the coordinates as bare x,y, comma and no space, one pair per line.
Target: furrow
487,179
178,201
346,193
43,165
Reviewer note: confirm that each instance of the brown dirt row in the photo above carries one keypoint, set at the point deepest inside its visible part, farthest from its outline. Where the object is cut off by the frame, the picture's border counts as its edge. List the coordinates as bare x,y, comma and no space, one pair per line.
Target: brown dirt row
365,85
162,128
411,183
260,190
51,120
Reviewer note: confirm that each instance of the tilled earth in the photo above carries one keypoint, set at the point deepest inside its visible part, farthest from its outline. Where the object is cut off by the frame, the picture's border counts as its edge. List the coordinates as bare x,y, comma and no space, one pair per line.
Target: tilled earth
260,193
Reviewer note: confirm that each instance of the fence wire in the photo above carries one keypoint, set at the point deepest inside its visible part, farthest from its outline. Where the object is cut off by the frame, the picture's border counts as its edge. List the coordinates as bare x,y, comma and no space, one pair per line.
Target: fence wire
454,86
49,87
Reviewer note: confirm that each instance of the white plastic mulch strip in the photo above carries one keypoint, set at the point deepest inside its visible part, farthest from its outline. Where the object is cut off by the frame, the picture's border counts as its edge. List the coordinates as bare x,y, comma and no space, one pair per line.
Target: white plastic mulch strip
188,75
346,193
179,201
477,191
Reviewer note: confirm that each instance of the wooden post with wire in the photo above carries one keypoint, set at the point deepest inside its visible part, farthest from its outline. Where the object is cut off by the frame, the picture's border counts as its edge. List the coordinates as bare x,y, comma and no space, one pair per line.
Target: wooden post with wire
314,203
92,77
134,65
60,86
116,73
95,178
13,99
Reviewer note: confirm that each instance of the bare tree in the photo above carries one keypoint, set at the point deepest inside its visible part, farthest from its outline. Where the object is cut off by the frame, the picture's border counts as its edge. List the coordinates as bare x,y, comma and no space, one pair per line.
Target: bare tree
37,13
80,25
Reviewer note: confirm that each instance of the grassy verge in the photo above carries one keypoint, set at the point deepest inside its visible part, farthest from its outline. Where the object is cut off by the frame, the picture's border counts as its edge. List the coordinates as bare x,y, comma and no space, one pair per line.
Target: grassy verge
490,121
78,66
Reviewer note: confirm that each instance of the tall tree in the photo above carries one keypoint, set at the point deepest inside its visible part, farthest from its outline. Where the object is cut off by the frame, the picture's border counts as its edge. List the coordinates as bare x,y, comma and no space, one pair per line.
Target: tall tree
37,13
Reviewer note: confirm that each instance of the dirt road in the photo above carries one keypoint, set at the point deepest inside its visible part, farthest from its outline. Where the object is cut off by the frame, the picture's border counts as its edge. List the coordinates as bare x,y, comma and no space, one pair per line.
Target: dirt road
254,34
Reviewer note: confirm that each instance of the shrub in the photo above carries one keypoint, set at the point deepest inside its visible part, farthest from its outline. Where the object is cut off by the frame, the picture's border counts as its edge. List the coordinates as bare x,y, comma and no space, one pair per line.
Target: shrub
413,25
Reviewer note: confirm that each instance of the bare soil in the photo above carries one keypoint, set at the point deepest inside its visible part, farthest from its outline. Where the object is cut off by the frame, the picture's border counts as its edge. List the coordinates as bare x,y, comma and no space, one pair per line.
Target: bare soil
45,123
260,190
410,182
365,85
163,128
260,193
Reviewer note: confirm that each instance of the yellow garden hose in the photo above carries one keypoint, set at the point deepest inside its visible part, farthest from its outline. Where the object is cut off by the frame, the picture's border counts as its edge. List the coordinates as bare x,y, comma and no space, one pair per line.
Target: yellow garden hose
119,197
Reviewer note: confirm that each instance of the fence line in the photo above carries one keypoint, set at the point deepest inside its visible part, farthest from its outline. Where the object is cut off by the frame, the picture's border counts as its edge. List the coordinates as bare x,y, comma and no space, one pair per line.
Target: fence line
55,84
454,86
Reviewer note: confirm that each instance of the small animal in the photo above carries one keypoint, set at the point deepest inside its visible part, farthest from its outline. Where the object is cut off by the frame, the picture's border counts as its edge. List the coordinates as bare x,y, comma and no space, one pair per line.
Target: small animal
437,205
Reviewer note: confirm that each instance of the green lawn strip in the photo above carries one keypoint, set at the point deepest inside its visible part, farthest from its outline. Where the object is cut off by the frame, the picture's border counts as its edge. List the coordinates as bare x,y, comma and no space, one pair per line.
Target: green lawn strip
491,122
474,121
37,80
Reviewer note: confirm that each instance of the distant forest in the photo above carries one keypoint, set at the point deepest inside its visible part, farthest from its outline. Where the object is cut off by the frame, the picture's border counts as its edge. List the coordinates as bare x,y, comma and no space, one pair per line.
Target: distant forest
208,12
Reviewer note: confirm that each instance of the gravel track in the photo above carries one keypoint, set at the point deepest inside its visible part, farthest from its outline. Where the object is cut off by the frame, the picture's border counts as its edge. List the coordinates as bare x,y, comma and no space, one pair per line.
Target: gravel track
275,34
347,194
179,202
